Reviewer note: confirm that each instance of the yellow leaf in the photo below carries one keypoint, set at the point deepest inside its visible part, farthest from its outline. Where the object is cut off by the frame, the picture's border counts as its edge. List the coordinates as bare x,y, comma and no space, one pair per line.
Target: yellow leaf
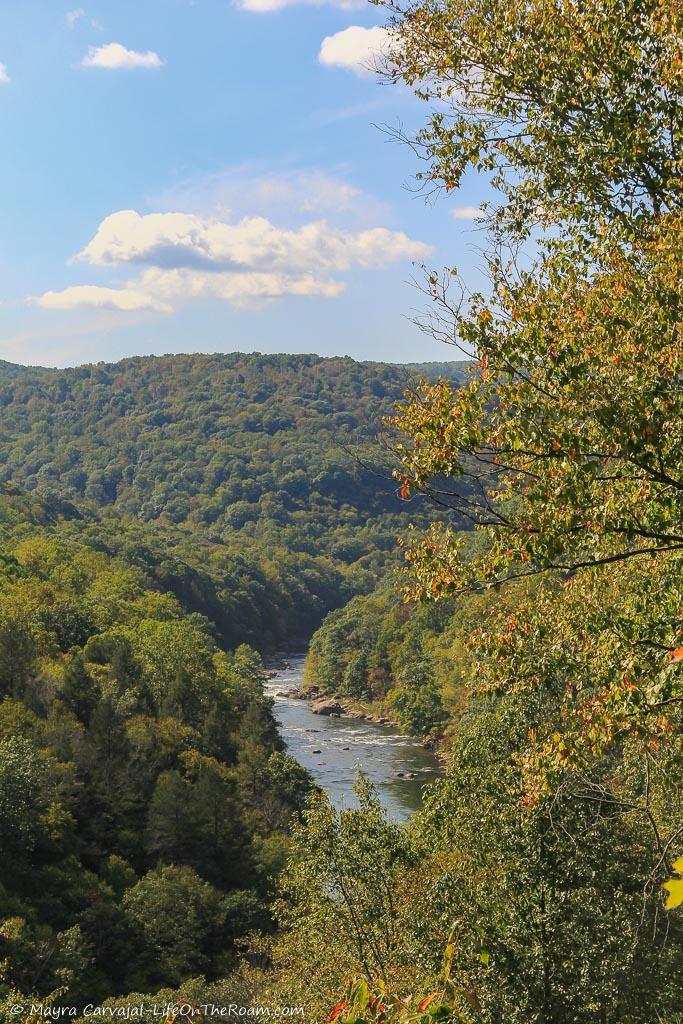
675,889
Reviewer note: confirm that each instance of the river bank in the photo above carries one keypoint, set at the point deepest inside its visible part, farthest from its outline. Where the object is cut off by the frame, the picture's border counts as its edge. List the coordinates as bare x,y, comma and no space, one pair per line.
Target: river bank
337,707
334,745
327,704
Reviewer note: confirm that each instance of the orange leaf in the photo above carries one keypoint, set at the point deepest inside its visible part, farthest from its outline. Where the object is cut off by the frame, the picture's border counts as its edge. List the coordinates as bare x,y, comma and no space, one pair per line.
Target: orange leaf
337,1010
426,1001
676,655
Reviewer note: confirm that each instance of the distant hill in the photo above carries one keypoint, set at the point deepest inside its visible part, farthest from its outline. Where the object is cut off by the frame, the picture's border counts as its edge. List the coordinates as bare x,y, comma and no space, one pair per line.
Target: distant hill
257,488
456,369
219,441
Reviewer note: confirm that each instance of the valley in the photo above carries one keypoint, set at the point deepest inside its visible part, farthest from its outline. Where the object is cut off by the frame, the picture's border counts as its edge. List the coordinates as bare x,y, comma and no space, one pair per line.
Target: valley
332,749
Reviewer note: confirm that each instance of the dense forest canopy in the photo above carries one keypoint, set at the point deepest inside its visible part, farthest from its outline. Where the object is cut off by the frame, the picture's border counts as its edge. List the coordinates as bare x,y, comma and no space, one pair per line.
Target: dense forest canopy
227,443
143,782
254,487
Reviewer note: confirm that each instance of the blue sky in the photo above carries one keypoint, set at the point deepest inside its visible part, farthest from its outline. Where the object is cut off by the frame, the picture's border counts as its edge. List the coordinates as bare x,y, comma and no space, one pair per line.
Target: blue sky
208,175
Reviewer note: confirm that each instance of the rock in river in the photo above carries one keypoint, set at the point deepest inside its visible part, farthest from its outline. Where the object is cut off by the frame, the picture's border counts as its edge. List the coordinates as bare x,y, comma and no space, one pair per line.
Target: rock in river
326,707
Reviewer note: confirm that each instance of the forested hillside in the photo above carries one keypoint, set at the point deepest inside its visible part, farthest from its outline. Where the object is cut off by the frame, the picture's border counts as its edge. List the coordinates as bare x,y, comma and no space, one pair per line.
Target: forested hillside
253,487
405,659
235,444
144,794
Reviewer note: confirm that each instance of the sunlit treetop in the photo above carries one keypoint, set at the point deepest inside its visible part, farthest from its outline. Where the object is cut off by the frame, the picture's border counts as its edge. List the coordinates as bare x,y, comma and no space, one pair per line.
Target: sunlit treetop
573,108
567,443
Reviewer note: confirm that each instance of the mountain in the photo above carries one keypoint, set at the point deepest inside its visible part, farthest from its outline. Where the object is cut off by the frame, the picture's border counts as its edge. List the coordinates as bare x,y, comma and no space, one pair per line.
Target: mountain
256,488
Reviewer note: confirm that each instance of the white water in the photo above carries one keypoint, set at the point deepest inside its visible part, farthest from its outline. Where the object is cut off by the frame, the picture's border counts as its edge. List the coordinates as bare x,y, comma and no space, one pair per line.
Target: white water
332,749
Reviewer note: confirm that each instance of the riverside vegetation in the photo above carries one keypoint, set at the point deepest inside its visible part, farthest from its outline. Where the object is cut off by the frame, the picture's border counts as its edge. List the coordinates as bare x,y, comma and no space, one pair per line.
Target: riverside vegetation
147,537
541,882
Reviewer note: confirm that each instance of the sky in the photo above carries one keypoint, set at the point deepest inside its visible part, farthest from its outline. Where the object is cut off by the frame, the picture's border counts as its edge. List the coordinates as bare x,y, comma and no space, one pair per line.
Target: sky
213,176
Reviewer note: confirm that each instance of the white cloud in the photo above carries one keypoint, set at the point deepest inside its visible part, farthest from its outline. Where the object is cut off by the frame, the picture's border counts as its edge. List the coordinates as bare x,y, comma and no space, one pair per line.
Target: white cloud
355,48
466,212
89,296
246,290
175,240
73,16
268,6
247,263
115,57
4,76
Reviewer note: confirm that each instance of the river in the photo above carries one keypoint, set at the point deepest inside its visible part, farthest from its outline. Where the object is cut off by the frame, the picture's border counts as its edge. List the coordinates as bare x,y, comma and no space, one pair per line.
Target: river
332,749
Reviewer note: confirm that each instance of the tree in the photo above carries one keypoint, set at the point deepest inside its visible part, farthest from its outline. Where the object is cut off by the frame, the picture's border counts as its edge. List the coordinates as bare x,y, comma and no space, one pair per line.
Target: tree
22,801
179,699
39,963
183,921
277,789
564,448
572,108
340,909
194,819
78,689
548,900
17,650
573,425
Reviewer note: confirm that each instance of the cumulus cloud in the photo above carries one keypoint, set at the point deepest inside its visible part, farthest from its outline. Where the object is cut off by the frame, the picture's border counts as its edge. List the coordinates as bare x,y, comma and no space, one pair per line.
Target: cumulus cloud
4,76
115,57
184,257
356,48
268,6
88,296
73,16
175,240
239,289
465,212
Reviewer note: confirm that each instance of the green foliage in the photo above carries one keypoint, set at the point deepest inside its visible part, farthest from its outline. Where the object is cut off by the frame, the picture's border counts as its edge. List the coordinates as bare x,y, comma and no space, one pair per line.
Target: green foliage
338,910
17,649
227,478
22,778
123,795
183,923
78,690
571,108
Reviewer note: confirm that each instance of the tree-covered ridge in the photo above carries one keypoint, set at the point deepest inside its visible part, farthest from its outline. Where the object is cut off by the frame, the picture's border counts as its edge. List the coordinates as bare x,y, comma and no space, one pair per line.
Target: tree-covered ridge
253,487
225,442
144,795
